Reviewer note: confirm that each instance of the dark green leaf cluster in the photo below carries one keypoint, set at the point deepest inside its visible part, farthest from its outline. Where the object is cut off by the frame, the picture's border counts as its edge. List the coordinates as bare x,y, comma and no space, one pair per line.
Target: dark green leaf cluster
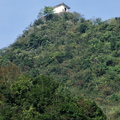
38,98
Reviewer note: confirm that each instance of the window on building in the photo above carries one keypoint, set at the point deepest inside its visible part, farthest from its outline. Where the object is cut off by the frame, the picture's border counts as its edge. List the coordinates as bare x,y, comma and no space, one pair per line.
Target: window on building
65,9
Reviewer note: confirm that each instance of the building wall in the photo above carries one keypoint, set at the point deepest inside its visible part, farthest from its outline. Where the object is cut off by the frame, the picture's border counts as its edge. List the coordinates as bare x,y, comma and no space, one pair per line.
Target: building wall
60,9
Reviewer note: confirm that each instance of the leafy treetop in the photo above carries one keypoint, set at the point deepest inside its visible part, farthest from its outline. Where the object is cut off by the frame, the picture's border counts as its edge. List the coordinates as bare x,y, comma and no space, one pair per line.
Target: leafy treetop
48,10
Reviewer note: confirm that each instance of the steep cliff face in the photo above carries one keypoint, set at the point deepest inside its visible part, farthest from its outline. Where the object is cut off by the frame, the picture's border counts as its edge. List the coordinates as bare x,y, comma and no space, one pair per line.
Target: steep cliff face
83,54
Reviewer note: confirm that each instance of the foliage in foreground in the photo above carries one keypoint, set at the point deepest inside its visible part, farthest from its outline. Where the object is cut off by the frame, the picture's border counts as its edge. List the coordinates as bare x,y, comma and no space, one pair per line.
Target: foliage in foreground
41,98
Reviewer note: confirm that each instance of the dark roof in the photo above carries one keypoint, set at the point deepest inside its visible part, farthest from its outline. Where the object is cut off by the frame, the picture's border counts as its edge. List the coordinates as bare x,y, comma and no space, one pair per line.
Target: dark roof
62,4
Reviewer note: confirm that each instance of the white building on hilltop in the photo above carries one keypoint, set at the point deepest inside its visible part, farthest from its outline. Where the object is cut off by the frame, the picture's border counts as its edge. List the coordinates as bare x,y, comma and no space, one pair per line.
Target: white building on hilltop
61,8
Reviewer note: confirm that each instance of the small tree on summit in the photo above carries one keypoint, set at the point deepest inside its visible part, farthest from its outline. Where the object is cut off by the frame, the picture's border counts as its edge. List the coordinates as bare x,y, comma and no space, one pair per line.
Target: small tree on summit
48,10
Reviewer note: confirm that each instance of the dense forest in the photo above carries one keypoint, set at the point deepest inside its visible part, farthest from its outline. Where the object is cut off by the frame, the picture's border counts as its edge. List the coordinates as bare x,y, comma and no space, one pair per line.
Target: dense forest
62,67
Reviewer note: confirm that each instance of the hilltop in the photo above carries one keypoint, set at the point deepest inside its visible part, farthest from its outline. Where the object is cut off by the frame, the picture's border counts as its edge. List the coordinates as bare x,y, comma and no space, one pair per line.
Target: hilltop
84,55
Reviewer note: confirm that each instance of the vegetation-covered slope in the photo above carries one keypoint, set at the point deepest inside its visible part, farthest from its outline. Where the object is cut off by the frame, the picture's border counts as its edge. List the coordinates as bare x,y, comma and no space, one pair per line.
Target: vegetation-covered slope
83,54
40,98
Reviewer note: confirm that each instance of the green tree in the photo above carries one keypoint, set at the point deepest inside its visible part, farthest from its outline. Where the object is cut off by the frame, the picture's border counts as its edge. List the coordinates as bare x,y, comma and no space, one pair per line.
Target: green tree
48,10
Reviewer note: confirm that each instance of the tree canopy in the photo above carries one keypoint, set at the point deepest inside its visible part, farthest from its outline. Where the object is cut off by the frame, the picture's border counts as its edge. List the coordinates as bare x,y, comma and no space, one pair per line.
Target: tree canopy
48,10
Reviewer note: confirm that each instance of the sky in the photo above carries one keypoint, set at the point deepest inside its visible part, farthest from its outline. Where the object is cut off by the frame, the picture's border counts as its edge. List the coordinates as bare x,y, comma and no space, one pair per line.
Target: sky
17,15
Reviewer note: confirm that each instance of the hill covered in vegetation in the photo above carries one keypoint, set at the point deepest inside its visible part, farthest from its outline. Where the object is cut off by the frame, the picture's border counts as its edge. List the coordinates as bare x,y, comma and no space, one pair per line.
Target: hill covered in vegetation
84,55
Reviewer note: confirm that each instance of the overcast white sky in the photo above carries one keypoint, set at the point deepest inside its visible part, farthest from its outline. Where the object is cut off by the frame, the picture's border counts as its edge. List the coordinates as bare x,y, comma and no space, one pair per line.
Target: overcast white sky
16,15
